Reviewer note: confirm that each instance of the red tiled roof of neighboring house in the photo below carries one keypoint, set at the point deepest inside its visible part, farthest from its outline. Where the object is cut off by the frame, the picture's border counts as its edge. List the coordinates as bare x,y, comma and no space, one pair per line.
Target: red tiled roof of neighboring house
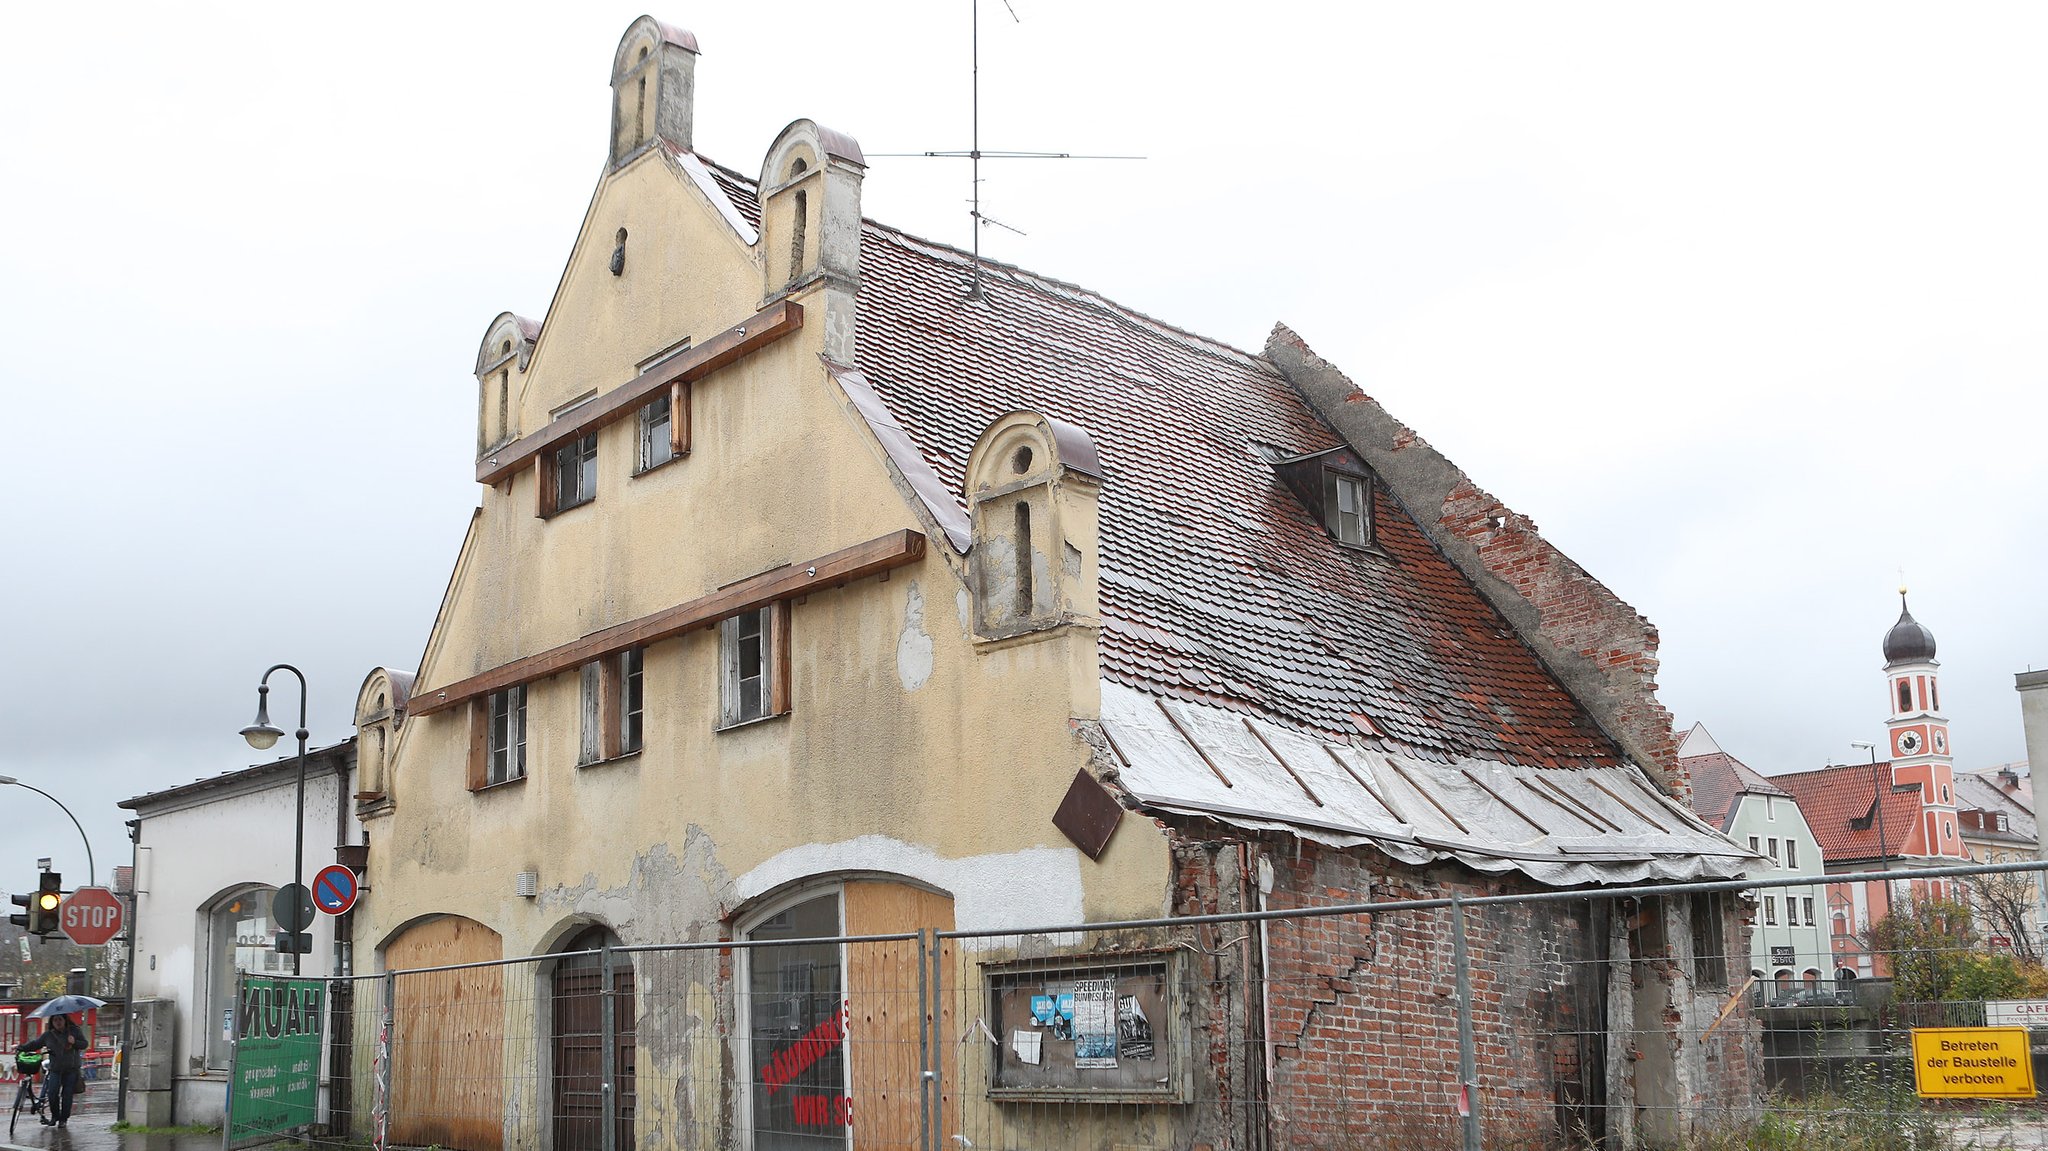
1217,585
1717,779
1836,802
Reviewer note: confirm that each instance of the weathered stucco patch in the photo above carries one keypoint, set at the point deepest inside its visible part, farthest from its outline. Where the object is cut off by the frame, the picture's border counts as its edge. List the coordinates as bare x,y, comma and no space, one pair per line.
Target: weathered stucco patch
963,605
1029,888
914,646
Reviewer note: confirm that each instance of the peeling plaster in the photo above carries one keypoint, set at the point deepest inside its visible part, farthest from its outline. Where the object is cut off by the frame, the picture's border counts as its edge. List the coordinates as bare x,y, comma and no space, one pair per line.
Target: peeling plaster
1029,888
914,646
963,605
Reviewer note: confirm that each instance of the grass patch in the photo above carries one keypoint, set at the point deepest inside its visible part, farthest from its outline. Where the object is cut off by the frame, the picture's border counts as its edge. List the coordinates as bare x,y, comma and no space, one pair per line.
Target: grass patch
188,1129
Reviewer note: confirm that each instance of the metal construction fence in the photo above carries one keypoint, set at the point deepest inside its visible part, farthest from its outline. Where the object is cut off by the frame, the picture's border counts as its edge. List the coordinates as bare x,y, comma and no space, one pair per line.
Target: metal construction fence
1666,1016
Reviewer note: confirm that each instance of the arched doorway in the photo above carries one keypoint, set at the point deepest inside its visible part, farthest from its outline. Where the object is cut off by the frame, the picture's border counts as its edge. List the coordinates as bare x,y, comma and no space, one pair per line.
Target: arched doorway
577,987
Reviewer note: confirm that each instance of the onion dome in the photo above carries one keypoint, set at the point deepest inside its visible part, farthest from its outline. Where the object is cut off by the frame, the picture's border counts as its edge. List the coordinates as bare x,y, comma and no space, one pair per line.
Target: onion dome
1909,641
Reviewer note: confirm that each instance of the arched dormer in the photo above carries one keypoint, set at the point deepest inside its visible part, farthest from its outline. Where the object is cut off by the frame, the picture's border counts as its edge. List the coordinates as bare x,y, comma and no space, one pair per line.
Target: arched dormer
500,364
810,211
1032,483
654,80
380,709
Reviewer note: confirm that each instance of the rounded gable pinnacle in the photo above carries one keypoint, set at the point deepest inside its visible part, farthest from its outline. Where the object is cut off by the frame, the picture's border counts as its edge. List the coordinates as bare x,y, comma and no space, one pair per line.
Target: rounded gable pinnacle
649,32
799,137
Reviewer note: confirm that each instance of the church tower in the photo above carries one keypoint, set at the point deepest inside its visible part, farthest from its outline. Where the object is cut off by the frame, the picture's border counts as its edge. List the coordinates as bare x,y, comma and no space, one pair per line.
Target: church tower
1917,732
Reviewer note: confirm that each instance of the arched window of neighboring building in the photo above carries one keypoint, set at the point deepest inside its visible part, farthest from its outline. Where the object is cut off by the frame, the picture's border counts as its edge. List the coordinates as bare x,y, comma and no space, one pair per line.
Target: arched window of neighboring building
239,938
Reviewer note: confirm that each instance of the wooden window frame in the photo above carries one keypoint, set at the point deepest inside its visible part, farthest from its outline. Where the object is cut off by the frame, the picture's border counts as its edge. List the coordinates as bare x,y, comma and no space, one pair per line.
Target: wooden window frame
1708,911
627,722
483,750
585,449
603,684
1335,480
676,440
774,638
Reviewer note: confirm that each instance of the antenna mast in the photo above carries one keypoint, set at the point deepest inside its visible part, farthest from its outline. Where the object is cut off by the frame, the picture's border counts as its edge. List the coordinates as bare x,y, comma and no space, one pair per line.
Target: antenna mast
974,154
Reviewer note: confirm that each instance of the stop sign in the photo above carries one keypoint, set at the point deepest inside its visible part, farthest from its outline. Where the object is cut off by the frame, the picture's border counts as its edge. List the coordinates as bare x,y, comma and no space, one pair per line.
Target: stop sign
91,916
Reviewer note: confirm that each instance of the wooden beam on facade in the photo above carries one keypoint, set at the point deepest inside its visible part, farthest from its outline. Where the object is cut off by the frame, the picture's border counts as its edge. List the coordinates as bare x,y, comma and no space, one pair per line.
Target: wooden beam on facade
877,555
757,331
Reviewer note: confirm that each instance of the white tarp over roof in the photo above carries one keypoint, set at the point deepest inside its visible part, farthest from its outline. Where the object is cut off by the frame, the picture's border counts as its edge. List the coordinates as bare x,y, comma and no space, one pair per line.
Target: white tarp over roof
1561,826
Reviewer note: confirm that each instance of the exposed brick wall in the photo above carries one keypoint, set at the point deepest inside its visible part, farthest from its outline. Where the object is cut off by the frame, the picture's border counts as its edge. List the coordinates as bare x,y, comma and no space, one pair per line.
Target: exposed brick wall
1597,645
1363,1010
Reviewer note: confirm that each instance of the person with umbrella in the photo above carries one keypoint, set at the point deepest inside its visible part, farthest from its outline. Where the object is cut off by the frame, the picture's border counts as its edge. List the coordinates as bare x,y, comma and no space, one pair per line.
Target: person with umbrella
66,1044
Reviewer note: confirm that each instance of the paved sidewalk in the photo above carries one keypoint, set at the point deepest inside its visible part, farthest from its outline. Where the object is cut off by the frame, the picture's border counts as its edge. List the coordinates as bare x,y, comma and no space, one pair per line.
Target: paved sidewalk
91,1129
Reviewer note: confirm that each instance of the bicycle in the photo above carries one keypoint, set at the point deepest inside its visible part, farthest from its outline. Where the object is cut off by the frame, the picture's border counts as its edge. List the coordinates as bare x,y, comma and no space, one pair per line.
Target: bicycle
26,1097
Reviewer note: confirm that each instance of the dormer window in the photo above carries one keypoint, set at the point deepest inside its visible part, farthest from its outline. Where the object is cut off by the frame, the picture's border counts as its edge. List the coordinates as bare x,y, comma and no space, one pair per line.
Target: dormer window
1347,507
1334,487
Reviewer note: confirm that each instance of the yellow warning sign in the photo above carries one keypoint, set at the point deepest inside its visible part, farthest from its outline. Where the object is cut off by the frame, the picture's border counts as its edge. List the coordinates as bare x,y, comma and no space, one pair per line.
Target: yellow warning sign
1984,1062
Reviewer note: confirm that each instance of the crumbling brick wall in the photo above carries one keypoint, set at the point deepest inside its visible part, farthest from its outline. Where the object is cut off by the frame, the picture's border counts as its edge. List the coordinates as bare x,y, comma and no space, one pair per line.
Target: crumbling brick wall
1599,647
1360,1012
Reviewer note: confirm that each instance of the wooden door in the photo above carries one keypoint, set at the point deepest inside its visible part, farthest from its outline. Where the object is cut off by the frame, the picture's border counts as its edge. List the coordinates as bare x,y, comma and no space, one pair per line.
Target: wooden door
578,1030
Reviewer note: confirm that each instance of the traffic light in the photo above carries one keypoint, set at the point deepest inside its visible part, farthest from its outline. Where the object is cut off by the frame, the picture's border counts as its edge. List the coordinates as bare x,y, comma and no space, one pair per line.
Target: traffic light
20,918
42,915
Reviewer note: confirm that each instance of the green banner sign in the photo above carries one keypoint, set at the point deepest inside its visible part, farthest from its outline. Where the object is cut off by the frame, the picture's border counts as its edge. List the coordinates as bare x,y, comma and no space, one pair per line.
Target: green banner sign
274,1086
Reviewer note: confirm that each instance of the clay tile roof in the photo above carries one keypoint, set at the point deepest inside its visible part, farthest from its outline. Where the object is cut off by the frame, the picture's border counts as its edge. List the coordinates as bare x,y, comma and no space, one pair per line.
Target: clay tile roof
1717,779
1217,585
1836,802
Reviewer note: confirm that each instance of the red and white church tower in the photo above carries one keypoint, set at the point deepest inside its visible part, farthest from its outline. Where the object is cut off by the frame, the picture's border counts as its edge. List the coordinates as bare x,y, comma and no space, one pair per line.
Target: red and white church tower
1917,733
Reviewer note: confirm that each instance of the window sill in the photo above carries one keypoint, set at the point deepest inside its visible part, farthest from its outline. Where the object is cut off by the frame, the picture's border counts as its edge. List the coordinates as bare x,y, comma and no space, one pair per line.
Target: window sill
652,468
503,783
759,719
619,758
548,515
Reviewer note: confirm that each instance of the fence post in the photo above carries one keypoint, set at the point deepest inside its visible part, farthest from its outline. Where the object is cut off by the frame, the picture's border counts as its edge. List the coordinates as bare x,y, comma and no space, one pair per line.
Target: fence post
380,1067
607,1033
926,1132
1468,1071
935,1069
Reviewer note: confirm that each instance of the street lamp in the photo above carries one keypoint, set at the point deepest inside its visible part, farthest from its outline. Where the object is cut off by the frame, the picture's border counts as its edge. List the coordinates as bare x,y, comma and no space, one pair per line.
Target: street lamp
92,876
263,737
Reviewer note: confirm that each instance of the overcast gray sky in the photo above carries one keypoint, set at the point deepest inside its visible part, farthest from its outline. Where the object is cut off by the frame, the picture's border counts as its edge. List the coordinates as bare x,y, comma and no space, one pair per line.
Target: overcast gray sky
1741,302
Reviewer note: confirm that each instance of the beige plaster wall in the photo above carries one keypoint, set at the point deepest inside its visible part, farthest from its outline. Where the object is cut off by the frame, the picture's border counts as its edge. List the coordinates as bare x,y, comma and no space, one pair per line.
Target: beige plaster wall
911,748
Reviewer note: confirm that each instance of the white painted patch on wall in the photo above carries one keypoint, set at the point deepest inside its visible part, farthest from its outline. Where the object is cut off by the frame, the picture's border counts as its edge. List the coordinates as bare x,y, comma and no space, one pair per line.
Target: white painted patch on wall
1030,888
914,646
963,605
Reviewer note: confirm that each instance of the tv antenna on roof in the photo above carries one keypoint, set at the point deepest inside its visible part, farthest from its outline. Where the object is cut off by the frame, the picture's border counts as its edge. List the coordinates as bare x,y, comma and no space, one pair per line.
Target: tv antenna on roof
974,153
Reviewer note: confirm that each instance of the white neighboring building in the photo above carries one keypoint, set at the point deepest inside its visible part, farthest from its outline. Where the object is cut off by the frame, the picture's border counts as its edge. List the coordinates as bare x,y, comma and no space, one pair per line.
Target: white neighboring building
209,856
1790,947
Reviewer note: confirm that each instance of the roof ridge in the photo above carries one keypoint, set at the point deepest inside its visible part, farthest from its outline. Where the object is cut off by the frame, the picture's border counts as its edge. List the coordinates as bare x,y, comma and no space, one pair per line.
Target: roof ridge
1043,281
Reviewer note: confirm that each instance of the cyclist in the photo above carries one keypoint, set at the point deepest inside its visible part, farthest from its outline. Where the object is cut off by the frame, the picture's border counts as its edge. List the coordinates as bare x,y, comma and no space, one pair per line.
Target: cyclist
65,1041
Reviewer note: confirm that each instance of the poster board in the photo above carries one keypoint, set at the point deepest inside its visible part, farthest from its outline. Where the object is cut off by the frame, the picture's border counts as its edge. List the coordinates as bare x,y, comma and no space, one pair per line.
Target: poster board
1100,1028
274,1070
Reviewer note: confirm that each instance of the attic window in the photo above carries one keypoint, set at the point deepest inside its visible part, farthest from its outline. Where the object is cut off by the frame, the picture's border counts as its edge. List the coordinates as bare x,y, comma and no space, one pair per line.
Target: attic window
1347,507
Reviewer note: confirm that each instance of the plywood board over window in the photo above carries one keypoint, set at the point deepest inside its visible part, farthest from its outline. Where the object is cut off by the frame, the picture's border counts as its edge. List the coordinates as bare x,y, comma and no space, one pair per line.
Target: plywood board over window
448,1036
882,1001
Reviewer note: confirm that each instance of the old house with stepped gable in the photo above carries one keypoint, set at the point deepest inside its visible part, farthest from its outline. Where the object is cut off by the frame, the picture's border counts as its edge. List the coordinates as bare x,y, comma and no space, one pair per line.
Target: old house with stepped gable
812,596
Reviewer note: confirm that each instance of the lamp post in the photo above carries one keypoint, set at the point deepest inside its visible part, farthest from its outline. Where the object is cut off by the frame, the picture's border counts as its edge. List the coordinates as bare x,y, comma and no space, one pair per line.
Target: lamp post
92,877
263,737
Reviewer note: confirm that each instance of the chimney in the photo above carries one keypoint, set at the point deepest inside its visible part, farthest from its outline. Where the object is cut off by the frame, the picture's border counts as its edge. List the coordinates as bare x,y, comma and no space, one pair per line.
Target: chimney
654,83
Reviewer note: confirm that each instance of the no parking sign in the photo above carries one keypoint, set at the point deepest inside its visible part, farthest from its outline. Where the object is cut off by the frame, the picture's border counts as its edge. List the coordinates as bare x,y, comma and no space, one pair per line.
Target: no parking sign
334,889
